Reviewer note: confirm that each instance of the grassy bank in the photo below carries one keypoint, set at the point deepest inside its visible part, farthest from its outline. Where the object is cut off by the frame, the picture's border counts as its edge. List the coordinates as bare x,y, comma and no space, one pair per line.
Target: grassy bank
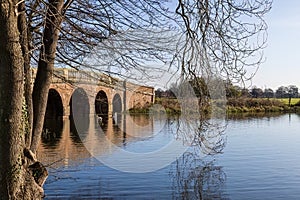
233,105
168,105
255,105
294,101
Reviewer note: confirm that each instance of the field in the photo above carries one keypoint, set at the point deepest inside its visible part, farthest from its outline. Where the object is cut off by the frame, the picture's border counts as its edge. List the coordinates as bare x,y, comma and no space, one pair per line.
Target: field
286,100
240,105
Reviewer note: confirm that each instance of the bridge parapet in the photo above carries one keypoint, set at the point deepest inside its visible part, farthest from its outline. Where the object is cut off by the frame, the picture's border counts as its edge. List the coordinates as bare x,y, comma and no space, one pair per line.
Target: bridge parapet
73,76
62,75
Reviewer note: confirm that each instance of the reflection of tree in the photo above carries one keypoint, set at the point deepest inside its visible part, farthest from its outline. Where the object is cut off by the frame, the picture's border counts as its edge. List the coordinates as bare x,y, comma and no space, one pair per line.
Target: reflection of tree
205,134
194,178
210,137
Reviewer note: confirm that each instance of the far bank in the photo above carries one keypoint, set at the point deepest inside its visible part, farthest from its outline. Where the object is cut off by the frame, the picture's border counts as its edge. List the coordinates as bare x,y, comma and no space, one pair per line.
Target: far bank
233,105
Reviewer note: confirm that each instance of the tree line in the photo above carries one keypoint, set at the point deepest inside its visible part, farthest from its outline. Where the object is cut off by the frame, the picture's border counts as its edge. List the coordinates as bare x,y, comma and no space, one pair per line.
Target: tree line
290,91
234,91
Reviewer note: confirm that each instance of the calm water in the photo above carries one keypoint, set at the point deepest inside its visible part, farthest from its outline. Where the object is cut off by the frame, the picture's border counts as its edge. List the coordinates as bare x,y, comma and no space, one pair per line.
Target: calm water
260,160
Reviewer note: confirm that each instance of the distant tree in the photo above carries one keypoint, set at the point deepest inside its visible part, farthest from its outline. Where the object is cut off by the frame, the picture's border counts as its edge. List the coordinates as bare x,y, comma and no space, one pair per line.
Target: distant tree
268,93
256,92
232,91
282,92
158,93
293,91
245,92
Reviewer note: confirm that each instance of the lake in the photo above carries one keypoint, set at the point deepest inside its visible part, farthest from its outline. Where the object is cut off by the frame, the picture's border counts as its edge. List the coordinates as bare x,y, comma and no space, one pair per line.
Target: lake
150,157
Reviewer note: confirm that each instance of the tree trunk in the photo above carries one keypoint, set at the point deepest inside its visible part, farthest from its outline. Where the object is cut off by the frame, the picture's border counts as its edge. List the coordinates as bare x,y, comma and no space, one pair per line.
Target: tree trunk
45,68
24,41
21,176
11,96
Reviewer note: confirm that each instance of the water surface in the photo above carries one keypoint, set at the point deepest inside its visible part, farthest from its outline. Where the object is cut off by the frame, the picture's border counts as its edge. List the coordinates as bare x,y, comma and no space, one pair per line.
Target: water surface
260,161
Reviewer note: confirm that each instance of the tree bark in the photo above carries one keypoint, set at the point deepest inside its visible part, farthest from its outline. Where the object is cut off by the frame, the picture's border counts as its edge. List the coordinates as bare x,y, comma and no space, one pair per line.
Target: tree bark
11,95
45,68
23,29
18,165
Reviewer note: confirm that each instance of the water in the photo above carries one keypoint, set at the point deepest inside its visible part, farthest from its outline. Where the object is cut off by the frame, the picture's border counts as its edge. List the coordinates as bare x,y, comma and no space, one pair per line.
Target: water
260,160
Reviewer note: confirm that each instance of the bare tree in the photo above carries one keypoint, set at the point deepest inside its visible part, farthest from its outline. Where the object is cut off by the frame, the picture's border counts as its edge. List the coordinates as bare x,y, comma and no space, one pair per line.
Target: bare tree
43,34
222,36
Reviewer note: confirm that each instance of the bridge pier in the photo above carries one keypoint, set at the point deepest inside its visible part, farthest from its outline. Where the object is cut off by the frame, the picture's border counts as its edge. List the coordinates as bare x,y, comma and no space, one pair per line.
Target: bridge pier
110,111
67,111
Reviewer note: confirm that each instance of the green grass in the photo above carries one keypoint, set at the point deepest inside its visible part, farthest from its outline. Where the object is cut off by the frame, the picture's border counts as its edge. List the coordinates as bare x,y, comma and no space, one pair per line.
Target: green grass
286,100
240,105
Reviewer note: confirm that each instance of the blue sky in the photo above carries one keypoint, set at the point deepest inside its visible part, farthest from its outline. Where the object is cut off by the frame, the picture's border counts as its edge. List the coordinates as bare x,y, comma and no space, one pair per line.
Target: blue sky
282,65
282,54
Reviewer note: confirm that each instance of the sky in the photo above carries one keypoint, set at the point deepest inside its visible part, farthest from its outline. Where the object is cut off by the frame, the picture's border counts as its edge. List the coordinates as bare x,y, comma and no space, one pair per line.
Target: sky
282,65
282,53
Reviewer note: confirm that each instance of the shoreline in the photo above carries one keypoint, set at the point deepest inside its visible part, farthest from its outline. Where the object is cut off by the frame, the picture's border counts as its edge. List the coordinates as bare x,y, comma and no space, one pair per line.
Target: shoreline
233,106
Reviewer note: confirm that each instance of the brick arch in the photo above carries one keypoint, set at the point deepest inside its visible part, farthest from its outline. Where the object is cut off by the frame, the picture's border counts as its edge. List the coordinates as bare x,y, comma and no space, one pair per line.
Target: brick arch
65,91
109,92
81,102
102,106
54,108
117,105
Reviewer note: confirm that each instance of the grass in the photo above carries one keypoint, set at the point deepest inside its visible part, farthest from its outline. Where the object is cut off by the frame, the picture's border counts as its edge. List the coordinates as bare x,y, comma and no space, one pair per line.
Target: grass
286,100
254,105
234,105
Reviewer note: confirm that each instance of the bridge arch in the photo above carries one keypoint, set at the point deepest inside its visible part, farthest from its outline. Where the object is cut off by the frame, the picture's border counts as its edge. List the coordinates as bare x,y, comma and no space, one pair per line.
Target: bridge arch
79,112
101,104
54,108
79,102
117,104
53,123
116,108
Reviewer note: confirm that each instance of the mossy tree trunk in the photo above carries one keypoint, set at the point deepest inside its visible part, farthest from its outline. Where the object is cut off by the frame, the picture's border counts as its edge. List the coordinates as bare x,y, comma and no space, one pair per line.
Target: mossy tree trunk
11,96
21,111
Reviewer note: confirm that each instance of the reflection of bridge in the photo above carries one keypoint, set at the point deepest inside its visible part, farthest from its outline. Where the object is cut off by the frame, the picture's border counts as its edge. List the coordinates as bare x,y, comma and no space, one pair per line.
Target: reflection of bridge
98,93
65,142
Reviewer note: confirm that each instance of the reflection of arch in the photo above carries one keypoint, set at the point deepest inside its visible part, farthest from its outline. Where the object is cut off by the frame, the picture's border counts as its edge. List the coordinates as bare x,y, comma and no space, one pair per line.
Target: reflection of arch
101,103
54,105
74,133
52,132
80,102
117,104
79,112
117,109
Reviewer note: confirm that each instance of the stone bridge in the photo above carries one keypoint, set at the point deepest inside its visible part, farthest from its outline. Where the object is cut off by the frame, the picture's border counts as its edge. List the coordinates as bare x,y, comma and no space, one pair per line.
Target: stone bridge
93,93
